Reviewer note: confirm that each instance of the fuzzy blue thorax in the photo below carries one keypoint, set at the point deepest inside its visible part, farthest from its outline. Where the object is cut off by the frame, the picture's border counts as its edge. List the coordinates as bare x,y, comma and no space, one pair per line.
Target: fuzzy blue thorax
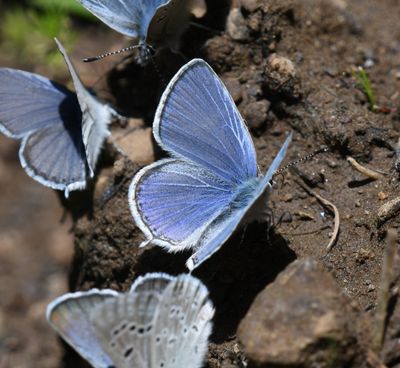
245,193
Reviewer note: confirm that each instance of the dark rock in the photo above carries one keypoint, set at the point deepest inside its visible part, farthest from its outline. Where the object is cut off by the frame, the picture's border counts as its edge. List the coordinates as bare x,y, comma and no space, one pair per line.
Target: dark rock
255,113
300,320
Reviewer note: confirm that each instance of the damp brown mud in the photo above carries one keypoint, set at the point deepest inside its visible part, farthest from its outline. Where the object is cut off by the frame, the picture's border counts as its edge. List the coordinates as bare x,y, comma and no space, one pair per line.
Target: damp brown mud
290,66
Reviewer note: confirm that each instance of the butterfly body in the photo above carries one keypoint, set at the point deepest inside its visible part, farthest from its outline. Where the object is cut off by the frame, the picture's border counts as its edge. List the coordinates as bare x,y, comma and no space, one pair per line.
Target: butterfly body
258,211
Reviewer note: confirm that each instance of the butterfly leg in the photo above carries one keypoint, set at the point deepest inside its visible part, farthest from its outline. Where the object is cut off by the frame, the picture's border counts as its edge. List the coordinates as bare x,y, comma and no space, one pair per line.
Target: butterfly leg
269,218
243,235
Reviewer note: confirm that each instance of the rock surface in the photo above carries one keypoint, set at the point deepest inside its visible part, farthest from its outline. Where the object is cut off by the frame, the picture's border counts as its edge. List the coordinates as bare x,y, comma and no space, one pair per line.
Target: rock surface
300,320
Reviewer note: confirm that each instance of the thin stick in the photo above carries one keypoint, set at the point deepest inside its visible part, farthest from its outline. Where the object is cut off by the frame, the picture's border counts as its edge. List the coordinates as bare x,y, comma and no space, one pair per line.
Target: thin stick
372,174
389,257
331,207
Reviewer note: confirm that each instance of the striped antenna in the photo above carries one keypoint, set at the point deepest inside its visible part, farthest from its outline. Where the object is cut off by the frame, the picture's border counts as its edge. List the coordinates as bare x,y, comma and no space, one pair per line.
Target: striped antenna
102,56
300,160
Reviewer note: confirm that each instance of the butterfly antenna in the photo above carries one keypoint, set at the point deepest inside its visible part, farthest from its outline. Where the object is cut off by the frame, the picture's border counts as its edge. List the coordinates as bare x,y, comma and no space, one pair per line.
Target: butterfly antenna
102,56
205,28
302,159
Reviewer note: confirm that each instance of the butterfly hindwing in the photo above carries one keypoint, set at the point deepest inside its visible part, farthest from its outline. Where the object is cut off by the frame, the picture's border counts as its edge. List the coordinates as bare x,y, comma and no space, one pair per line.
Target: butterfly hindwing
54,156
70,314
182,325
172,201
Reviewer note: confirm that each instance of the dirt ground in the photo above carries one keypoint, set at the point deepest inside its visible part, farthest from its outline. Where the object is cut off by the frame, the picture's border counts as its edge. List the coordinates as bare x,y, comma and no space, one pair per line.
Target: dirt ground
312,92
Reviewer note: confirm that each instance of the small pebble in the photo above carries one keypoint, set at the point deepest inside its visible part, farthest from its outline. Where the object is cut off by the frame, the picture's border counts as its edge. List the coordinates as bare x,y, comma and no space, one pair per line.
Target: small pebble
282,65
236,25
382,196
332,164
255,113
288,197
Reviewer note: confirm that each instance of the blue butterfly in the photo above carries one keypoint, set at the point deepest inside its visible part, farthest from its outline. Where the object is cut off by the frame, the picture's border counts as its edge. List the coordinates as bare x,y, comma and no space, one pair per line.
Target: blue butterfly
62,132
163,321
155,23
211,185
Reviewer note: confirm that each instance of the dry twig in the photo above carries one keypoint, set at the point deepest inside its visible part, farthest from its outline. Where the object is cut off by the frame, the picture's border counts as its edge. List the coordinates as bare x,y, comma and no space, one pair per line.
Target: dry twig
331,207
388,210
372,174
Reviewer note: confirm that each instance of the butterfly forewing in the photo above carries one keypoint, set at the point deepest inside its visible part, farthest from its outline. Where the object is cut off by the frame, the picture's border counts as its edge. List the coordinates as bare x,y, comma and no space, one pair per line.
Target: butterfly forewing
96,116
151,282
198,121
169,23
124,326
29,102
70,314
129,17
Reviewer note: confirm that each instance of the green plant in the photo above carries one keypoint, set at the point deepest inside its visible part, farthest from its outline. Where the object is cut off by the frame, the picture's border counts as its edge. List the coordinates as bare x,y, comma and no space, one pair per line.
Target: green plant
27,32
364,84
28,35
68,7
